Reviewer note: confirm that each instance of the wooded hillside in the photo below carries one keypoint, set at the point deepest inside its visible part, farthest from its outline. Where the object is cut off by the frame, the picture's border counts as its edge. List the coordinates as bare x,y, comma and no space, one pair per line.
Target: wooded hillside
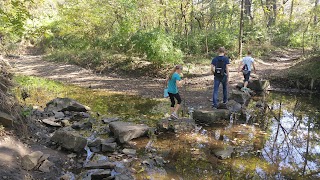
159,30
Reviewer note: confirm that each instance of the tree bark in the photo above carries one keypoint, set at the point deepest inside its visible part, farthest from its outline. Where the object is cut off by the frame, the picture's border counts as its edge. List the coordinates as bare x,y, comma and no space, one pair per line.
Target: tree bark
241,29
290,18
315,20
248,11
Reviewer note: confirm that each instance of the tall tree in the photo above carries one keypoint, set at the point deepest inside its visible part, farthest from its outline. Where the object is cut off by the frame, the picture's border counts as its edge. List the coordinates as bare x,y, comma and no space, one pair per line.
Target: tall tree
248,7
241,28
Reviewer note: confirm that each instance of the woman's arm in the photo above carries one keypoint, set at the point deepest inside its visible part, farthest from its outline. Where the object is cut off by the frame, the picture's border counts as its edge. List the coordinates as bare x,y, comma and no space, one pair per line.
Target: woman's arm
254,68
179,83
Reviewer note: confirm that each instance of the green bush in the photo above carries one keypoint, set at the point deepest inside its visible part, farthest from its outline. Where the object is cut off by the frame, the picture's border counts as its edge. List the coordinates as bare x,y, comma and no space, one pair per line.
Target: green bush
191,45
90,58
157,46
220,38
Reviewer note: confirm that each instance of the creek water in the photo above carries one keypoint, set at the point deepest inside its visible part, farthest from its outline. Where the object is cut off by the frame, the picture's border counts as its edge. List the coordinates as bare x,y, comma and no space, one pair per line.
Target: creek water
278,139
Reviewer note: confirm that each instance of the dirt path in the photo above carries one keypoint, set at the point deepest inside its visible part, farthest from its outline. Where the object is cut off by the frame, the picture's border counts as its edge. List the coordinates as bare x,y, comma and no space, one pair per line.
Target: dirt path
197,93
198,90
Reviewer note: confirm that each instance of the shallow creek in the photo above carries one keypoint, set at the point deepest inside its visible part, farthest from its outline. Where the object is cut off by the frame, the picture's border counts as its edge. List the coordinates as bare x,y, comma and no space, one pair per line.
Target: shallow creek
279,137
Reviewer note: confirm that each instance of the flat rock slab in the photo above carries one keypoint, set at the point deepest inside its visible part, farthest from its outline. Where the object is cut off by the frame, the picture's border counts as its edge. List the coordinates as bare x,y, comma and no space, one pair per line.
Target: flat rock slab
109,120
30,161
211,117
51,122
6,119
129,151
69,140
259,85
65,104
100,165
126,131
177,126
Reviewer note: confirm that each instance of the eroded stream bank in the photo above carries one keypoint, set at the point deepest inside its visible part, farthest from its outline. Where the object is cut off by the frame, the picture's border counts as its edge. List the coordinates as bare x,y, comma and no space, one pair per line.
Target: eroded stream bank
277,138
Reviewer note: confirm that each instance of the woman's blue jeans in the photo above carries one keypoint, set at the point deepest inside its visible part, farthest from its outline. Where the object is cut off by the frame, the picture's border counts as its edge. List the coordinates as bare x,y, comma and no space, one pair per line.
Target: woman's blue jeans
216,85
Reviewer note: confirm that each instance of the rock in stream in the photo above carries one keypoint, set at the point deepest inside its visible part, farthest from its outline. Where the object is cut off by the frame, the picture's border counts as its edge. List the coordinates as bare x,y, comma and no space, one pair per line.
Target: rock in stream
126,131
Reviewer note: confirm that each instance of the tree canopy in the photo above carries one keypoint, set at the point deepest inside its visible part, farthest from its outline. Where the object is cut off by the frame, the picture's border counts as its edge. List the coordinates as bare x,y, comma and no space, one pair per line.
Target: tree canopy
161,30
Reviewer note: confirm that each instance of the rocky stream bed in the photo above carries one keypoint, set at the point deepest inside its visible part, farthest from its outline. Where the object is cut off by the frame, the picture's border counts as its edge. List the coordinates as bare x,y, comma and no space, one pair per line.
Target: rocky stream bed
252,136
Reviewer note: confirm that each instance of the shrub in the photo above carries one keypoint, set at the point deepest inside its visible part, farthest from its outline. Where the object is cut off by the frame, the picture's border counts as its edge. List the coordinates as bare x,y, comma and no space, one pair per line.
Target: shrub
157,46
220,38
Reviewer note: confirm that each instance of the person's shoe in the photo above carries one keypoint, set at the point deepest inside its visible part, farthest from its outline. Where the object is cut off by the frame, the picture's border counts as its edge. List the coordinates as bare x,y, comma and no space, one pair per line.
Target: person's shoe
214,107
174,116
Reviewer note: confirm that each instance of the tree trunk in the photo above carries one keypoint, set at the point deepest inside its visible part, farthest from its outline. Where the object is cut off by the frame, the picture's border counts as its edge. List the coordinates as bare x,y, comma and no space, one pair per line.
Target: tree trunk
275,11
316,4
290,18
272,12
315,21
241,29
247,11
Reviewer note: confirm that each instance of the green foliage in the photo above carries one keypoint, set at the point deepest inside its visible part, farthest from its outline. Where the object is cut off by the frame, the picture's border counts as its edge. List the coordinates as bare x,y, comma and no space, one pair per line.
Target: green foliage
114,104
157,46
13,15
218,39
90,58
27,111
307,69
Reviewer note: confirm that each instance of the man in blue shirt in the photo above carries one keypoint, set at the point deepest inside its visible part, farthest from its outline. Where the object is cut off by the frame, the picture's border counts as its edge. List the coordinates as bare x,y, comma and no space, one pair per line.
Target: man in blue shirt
220,69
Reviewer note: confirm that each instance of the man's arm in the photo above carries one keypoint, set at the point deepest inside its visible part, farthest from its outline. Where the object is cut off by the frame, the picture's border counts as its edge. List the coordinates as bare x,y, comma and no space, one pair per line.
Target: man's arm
227,69
212,68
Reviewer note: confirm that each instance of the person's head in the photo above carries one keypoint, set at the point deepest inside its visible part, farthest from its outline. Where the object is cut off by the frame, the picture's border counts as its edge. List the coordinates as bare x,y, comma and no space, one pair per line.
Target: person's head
249,53
177,69
222,51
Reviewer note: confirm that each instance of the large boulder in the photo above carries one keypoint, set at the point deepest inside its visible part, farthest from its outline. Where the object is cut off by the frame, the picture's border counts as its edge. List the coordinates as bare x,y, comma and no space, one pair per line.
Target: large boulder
30,161
259,85
5,119
240,97
234,106
65,104
217,116
69,140
126,131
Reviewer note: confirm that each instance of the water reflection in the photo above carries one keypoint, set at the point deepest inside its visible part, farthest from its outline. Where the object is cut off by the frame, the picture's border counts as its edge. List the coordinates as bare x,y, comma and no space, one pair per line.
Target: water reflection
280,140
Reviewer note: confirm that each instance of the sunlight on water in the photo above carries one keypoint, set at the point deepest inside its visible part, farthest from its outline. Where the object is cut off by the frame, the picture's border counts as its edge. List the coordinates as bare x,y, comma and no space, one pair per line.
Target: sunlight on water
279,140
262,148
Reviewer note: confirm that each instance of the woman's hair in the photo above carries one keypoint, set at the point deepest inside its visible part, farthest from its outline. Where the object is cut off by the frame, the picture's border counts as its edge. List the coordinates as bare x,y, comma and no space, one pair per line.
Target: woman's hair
174,70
